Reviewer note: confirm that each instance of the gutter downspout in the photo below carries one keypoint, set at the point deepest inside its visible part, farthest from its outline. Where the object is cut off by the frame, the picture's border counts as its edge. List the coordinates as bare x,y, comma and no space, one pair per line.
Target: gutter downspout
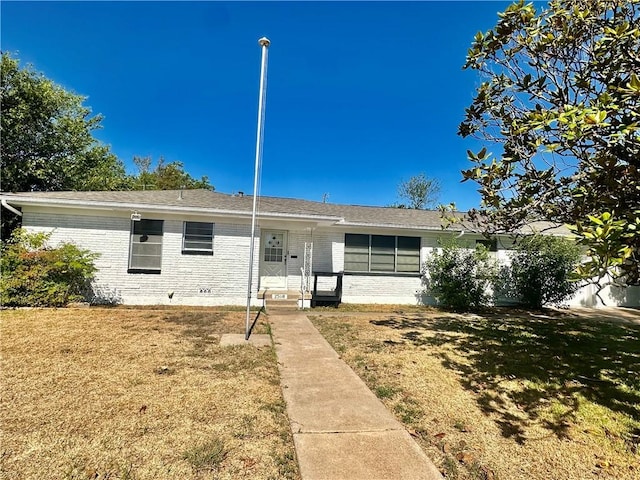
10,208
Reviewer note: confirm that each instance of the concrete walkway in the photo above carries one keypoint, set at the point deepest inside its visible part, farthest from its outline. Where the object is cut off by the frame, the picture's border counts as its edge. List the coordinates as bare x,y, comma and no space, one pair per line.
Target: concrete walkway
340,429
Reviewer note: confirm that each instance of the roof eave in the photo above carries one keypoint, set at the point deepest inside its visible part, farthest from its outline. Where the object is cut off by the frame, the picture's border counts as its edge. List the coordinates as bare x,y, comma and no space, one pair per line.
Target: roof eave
115,206
393,225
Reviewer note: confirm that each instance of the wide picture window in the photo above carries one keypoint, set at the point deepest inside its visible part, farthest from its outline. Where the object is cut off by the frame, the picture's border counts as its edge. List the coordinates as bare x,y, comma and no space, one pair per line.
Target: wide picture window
381,253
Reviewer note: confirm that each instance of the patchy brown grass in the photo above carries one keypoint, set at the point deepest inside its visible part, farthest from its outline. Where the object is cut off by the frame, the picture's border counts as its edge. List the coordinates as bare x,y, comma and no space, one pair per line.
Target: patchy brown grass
142,393
506,394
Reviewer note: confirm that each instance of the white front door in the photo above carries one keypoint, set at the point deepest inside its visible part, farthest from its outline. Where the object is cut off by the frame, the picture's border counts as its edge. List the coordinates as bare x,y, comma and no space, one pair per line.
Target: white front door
273,259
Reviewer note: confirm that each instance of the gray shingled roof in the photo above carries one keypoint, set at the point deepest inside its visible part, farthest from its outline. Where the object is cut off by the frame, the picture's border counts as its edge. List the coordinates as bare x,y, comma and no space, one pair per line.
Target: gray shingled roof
204,199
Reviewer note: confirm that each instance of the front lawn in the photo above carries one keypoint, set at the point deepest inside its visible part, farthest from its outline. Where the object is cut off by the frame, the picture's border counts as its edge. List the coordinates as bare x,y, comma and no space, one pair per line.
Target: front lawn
138,393
506,395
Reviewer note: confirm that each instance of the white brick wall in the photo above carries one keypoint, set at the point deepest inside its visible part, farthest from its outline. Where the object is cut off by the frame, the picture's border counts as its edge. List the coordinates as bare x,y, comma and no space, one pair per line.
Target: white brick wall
328,251
220,279
382,289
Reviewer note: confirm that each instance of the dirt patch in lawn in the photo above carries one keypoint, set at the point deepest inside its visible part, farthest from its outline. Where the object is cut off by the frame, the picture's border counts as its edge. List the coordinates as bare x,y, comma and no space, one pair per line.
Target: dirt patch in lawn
140,393
507,394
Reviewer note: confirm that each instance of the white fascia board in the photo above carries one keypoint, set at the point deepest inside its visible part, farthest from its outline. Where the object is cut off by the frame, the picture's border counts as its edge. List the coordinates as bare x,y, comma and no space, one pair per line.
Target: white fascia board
127,207
392,225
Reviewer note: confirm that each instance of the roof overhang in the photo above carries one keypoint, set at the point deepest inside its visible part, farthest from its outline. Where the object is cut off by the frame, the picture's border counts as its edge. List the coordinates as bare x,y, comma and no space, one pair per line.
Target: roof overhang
168,209
398,227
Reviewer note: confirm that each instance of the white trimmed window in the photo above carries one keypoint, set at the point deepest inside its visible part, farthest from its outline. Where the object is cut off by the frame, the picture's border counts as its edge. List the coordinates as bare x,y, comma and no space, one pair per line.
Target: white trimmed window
145,249
197,238
381,253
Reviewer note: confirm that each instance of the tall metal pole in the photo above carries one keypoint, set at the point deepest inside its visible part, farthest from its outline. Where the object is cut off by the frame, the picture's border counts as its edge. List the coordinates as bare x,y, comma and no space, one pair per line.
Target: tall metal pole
264,43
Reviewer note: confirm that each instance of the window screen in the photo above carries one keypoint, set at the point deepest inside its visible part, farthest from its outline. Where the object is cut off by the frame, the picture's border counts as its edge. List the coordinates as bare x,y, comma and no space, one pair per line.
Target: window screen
383,253
408,254
356,252
198,237
146,245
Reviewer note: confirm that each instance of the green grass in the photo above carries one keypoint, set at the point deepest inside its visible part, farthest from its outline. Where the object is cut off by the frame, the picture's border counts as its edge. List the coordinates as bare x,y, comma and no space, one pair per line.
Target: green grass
208,455
385,391
408,411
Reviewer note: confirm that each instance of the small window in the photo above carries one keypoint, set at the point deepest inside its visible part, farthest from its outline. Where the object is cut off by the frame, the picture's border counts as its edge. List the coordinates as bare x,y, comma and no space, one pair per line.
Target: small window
145,249
274,248
197,238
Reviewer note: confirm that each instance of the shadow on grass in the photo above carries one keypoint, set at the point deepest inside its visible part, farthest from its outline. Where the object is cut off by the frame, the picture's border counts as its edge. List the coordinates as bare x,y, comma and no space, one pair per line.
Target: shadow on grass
201,328
555,360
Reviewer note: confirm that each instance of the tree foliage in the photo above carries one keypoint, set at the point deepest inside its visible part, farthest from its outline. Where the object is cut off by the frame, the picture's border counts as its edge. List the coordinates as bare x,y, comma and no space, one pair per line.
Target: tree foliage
419,192
540,271
36,275
47,144
47,137
164,176
561,100
458,277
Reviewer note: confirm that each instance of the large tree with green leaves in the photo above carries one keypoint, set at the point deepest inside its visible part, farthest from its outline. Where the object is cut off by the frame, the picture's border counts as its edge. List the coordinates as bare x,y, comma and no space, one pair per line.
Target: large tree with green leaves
47,136
164,176
560,102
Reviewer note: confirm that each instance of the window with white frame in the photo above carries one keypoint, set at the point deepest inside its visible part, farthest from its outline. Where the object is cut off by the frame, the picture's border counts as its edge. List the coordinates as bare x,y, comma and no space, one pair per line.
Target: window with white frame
145,249
381,253
197,238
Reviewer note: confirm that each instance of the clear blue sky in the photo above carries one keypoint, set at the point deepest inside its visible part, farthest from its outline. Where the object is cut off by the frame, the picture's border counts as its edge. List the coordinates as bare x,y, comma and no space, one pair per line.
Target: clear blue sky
361,95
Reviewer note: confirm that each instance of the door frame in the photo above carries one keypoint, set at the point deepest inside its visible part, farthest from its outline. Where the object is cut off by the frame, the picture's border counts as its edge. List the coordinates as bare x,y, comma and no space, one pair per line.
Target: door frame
285,253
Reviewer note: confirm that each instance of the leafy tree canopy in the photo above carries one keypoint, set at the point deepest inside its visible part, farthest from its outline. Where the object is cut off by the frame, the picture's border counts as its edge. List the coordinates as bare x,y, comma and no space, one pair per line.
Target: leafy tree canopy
165,176
419,192
47,137
560,98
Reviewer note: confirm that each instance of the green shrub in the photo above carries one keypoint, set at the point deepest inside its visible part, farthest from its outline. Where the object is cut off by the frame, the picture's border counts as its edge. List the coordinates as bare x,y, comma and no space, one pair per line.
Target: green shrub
36,275
460,278
540,270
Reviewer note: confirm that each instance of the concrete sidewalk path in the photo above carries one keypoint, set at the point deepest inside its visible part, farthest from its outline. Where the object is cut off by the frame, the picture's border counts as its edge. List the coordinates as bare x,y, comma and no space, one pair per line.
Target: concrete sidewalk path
340,429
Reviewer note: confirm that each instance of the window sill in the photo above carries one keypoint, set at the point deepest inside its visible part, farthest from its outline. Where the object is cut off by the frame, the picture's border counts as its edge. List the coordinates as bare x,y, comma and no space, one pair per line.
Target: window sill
386,274
197,252
142,270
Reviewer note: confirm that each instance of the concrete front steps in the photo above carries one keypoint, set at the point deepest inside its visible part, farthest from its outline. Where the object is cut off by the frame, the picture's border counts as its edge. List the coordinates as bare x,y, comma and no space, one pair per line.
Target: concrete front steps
283,299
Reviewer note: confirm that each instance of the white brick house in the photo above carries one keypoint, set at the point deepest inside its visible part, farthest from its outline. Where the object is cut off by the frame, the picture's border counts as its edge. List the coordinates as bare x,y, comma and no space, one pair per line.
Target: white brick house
192,247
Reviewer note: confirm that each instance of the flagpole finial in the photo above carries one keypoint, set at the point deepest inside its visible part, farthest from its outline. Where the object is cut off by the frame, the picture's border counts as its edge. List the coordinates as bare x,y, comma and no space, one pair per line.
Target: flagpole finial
264,42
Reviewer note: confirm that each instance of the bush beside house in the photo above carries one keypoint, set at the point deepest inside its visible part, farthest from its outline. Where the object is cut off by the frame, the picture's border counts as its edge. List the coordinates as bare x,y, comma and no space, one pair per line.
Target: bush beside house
458,277
538,273
36,275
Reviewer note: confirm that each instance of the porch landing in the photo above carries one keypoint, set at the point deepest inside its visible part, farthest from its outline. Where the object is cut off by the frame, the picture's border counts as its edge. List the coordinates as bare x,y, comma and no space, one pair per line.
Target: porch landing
276,294
283,299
